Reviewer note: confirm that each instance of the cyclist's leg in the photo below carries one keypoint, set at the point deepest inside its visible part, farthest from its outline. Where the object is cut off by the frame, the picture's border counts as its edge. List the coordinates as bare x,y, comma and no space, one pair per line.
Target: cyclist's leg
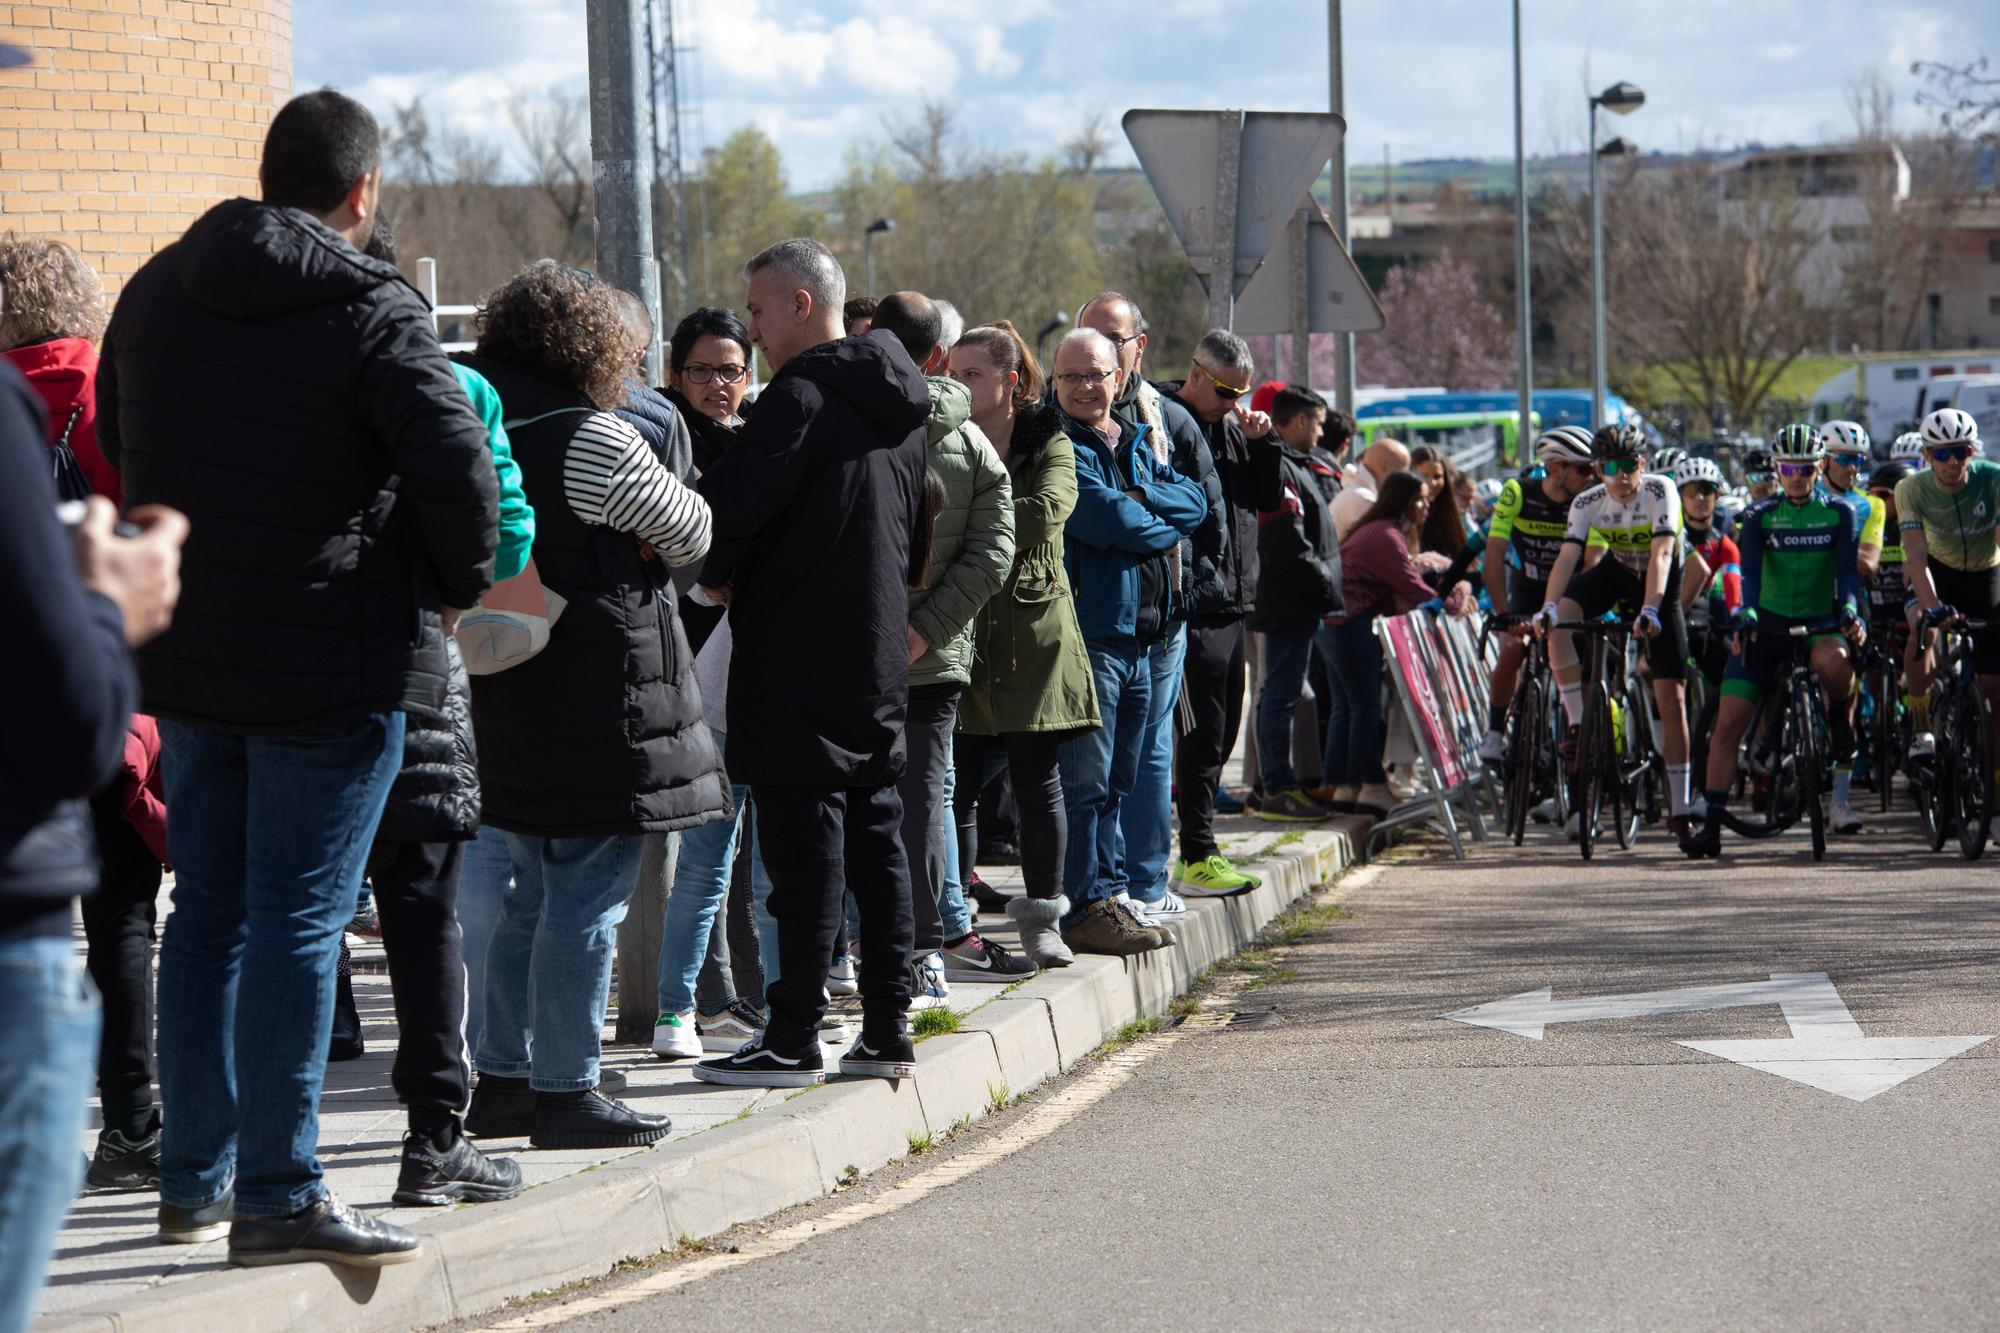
1590,594
1833,663
1745,679
1524,599
1667,659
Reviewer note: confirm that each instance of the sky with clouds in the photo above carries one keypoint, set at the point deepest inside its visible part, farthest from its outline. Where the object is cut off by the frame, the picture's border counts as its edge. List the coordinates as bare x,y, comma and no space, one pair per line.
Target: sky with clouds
1427,78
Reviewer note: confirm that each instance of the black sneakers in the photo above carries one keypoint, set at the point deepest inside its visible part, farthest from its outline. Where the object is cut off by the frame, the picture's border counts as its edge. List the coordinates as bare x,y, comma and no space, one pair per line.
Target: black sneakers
124,1164
196,1226
755,1065
880,1057
976,958
502,1108
458,1174
592,1120
328,1232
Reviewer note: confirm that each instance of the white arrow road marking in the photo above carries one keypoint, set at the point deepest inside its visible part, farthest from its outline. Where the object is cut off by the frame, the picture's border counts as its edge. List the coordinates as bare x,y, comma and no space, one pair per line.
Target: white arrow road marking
1827,1049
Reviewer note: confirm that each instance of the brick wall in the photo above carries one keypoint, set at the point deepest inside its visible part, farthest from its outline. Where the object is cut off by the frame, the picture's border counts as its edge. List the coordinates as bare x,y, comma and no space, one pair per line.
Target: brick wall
137,116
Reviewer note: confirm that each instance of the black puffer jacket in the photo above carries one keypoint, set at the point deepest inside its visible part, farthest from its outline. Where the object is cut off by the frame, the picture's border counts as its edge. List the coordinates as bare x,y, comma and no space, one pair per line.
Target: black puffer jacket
814,508
1298,552
1225,585
436,796
288,394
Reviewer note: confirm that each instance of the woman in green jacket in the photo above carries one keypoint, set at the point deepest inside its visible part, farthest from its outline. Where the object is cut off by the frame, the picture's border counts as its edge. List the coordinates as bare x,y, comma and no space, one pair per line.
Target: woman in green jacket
1030,685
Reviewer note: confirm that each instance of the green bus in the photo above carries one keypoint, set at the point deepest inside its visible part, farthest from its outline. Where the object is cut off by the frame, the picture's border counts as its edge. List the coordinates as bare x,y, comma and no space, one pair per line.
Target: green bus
1479,443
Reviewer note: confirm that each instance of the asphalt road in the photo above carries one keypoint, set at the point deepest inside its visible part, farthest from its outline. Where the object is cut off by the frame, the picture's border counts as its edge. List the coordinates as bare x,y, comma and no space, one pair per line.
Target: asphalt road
1355,1160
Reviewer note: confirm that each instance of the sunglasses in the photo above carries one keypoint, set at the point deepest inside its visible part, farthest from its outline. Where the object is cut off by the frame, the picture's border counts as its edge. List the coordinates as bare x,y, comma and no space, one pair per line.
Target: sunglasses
1755,477
1797,469
1228,393
1612,467
1950,453
1848,460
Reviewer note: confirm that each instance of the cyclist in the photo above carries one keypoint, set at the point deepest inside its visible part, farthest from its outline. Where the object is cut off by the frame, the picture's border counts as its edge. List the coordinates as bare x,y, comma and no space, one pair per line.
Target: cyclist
1798,551
1892,609
1712,589
1757,475
1848,451
1908,448
1948,513
1529,520
1639,516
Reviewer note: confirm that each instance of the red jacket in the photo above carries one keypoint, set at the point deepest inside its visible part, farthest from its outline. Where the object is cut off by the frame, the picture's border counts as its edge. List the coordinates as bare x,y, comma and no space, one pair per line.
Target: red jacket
140,789
64,372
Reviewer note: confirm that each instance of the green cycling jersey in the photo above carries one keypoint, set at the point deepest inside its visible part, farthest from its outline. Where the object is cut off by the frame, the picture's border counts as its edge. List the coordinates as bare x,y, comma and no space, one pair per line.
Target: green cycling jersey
1799,556
1958,526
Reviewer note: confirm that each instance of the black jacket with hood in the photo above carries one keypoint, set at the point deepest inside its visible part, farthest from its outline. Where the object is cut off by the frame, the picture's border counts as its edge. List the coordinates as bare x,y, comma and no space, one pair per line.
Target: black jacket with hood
815,506
288,395
1298,578
1225,585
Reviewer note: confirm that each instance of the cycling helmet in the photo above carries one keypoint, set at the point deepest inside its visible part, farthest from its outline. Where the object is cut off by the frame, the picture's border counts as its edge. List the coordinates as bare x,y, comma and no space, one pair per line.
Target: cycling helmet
1564,444
1885,477
1948,425
1757,460
1669,459
1797,441
1703,470
1845,437
1487,493
1618,442
1731,503
1909,446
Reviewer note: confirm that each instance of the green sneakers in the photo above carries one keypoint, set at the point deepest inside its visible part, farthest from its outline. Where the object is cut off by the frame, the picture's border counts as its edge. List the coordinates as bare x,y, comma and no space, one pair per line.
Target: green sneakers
1215,875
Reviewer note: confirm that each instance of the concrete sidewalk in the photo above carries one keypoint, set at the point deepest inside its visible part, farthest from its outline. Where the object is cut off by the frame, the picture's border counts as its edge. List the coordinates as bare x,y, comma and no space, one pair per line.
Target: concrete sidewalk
735,1154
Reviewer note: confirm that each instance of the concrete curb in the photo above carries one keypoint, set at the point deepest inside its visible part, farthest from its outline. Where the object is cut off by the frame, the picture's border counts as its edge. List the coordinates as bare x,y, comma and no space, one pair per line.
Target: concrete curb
477,1258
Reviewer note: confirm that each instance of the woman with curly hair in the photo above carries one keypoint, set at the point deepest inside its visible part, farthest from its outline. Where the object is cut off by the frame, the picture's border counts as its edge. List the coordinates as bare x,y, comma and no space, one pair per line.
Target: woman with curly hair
52,312
591,744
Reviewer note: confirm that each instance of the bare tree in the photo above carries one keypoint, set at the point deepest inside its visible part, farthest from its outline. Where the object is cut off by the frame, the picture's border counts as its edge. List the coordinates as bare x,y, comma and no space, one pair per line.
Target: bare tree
1965,96
1895,251
554,138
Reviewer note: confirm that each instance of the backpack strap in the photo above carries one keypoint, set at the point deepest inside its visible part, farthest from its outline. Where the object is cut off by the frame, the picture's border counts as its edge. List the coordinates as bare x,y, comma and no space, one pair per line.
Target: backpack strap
76,415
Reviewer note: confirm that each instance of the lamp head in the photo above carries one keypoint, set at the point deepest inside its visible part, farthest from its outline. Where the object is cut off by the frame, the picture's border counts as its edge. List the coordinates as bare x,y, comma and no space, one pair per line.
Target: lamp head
881,225
1621,98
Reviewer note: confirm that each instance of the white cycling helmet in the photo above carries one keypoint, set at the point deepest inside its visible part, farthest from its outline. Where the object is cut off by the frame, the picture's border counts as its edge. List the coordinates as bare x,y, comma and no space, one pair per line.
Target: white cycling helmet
1797,441
1948,426
1703,470
1488,491
1564,444
1845,437
1731,503
1909,447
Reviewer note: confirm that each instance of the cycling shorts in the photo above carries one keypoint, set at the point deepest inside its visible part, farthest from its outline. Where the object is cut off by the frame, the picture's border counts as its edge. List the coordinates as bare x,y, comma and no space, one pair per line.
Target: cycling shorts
1525,596
1609,586
1755,670
1976,593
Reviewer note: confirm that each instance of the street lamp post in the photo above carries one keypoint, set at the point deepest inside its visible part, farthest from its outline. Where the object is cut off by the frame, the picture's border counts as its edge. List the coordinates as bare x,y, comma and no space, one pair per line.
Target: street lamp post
879,225
1523,305
1619,99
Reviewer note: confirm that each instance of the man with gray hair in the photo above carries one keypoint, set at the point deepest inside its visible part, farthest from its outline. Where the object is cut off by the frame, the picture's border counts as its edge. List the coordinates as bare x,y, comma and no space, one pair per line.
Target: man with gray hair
816,508
1248,464
954,326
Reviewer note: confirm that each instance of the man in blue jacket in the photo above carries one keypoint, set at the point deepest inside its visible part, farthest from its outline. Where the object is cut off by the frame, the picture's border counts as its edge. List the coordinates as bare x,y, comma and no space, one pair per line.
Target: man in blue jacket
1130,506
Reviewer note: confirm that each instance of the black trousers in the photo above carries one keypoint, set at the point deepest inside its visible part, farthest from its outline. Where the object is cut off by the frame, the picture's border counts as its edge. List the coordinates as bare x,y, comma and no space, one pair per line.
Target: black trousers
416,895
1038,799
927,731
119,923
819,843
1212,682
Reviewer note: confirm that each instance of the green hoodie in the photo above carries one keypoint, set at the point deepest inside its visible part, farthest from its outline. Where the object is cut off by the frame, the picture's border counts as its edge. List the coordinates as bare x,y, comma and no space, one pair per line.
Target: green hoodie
972,545
517,519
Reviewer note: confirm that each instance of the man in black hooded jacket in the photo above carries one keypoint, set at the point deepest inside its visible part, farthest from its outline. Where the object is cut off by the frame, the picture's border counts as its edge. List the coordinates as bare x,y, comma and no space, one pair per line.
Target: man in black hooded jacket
816,510
289,395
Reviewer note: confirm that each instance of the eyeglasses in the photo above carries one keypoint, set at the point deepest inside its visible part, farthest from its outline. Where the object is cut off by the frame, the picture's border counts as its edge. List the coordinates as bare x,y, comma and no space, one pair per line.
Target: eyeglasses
1755,477
1088,379
1118,343
1950,453
1612,467
697,373
1848,460
1797,469
1228,393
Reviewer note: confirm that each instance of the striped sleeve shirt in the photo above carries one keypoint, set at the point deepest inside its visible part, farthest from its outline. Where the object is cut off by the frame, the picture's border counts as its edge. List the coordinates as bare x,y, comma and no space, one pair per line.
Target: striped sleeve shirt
612,478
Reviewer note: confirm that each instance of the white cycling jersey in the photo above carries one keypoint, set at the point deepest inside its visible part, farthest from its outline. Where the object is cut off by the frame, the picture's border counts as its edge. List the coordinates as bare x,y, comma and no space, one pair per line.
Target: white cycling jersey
1627,529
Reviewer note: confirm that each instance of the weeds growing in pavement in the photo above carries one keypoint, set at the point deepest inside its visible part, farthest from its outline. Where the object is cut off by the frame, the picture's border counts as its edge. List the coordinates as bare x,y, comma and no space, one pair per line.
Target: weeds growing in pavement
920,1143
1131,1032
849,1174
690,1244
960,1125
998,1095
935,1022
1264,970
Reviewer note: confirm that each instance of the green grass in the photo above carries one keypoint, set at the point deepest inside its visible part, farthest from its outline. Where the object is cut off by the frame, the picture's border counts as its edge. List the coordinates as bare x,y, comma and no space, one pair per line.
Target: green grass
935,1022
998,1095
849,1174
1263,967
1797,383
1131,1032
691,1244
920,1143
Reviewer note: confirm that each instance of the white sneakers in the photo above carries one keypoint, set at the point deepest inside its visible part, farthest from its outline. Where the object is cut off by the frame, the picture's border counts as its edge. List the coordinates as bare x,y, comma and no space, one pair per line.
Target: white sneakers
1494,748
843,979
675,1038
1841,814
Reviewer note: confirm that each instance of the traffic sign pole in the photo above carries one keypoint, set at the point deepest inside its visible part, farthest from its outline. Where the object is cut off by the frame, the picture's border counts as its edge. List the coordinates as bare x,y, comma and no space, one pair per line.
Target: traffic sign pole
1222,221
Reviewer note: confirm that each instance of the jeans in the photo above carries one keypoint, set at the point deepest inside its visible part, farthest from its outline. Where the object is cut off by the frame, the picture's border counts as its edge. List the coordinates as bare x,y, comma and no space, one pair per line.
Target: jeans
1212,684
48,1048
954,917
1146,819
485,873
416,893
733,966
933,713
701,886
268,838
1354,714
120,922
1286,653
1099,769
545,966
818,844
1031,762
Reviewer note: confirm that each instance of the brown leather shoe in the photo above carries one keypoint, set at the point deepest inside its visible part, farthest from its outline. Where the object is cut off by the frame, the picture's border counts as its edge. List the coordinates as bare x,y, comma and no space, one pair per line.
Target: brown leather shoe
1104,929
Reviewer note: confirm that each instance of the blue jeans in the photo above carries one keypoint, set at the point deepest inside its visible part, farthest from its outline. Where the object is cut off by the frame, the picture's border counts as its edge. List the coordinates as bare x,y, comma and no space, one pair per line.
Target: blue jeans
1146,820
268,836
1099,770
484,878
701,886
1354,714
1286,652
48,1053
538,950
952,911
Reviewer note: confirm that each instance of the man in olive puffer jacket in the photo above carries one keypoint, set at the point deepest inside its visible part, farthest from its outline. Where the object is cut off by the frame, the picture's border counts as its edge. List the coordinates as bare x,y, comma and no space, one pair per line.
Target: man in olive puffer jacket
972,553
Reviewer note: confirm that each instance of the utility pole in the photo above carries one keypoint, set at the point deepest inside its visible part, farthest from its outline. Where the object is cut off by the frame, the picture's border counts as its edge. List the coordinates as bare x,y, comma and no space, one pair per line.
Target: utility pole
1343,343
669,154
1524,332
621,155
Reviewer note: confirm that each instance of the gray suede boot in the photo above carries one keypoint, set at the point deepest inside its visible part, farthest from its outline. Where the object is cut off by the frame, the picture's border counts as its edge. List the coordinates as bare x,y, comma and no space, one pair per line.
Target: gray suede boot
1041,937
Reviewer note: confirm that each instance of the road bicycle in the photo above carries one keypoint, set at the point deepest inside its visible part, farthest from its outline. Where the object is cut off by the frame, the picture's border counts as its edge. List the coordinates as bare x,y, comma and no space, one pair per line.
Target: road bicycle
1530,765
1953,786
1885,731
1789,746
1616,763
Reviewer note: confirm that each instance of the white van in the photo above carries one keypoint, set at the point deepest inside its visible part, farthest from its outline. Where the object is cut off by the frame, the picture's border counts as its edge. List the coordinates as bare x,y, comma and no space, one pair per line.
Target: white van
1898,388
1981,398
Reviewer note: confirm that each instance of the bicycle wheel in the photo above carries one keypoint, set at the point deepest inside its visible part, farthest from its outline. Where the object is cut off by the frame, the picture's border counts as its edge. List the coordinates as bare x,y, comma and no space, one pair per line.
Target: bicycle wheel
1699,734
1593,738
1781,799
1882,731
1619,785
1643,759
1935,774
1520,757
1972,770
1807,755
